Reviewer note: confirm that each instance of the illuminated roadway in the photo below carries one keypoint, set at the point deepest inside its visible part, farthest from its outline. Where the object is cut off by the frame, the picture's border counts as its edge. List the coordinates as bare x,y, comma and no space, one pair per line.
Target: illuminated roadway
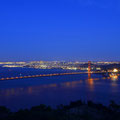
47,75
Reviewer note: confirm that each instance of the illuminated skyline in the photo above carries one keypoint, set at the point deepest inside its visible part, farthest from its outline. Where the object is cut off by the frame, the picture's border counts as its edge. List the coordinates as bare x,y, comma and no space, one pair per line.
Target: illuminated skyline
74,30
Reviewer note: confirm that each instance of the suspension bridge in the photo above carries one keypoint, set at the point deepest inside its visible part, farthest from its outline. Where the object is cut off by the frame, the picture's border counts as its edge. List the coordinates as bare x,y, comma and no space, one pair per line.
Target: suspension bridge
89,72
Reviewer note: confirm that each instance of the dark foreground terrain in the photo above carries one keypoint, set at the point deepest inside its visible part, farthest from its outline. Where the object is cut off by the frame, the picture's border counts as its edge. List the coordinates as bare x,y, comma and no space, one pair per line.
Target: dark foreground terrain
74,111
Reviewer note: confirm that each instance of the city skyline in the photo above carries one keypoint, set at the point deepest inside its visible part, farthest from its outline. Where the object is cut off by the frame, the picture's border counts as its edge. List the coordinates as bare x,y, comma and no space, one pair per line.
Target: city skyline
74,30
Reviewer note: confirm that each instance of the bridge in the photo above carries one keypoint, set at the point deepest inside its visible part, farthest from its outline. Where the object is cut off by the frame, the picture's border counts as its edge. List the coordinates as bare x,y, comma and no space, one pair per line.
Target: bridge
89,72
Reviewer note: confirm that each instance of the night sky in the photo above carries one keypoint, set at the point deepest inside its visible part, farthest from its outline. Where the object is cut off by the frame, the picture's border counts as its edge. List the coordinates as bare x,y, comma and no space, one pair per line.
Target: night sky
71,30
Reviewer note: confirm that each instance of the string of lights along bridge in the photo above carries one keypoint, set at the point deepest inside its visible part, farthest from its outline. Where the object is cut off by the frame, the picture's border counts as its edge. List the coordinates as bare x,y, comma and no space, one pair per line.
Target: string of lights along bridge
89,72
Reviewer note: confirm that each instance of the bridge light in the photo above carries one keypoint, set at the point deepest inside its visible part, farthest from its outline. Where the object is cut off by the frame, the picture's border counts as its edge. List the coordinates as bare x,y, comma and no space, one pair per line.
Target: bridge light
115,70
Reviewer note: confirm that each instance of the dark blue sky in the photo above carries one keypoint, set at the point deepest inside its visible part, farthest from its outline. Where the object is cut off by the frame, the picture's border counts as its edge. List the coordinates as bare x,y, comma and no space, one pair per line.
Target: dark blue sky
59,30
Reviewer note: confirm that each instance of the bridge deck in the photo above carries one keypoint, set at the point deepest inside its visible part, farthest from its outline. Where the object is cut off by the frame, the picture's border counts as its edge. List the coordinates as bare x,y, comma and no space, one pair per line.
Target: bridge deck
46,75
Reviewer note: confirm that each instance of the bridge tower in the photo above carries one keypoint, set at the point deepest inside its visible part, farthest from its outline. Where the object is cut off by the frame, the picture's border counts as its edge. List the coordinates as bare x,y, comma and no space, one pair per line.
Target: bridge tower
89,66
89,70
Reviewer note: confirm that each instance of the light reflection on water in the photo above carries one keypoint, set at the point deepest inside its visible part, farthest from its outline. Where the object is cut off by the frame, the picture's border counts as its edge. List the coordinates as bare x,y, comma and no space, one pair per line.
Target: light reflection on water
58,90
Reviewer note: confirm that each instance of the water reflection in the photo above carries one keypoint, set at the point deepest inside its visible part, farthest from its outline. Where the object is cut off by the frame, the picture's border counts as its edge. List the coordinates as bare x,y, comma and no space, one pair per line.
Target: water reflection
114,78
90,82
114,84
62,92
25,90
72,84
35,89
